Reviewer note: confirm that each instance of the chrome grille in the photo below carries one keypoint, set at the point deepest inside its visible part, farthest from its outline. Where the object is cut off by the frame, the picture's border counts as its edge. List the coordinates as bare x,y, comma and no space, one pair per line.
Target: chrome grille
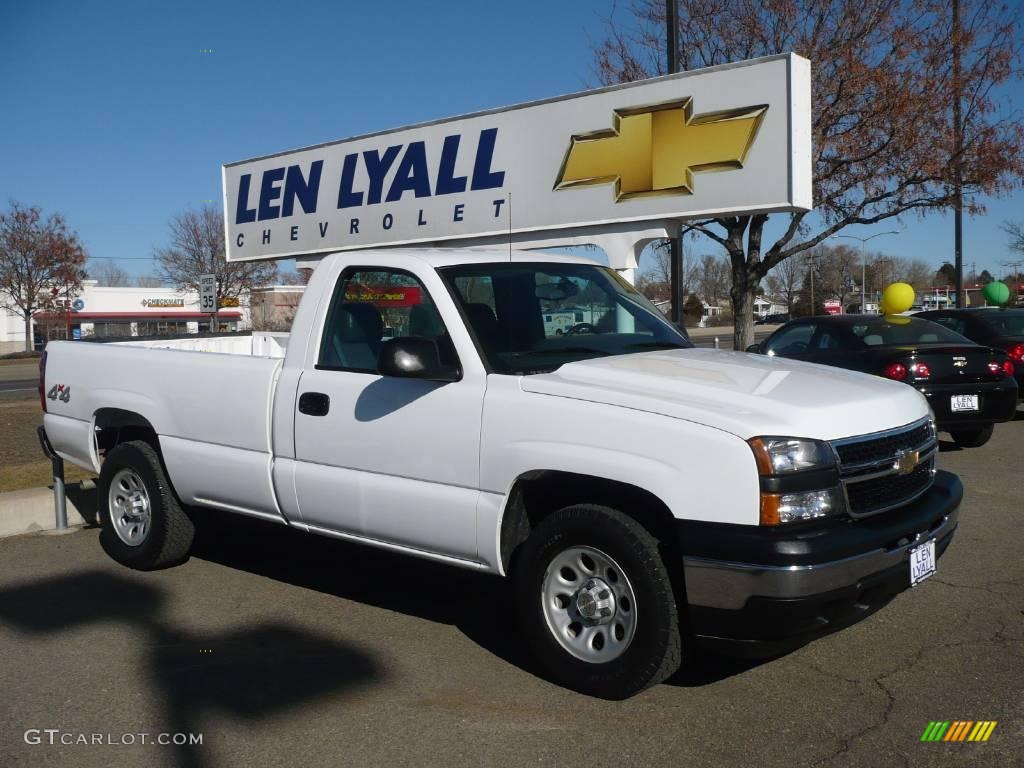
880,471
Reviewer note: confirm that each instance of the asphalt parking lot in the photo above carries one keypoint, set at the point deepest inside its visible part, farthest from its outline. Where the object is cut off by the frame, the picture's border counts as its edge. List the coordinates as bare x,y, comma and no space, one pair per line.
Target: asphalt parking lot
282,649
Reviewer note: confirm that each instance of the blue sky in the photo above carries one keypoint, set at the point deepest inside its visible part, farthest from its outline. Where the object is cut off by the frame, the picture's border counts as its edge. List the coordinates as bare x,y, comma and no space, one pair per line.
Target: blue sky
114,115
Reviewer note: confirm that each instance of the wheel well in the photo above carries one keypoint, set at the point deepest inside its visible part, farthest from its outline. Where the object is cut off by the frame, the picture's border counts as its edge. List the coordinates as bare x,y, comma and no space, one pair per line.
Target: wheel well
537,494
114,426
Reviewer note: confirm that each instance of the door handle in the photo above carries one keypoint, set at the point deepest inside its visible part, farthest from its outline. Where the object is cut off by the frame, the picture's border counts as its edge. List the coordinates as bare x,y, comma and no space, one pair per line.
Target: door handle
314,403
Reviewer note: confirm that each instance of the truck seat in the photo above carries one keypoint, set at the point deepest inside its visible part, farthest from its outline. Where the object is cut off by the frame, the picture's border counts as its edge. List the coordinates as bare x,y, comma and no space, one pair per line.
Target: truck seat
356,337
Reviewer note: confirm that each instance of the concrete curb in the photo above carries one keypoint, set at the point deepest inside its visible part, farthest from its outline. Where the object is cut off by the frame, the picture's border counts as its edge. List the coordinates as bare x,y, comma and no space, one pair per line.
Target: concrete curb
31,510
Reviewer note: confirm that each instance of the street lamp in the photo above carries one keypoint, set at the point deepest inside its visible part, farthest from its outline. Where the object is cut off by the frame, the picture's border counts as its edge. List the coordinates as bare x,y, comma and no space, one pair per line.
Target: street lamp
864,259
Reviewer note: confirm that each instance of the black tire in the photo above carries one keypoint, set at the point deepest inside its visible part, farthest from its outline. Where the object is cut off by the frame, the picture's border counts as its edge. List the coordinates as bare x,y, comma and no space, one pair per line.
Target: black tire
655,651
972,438
168,537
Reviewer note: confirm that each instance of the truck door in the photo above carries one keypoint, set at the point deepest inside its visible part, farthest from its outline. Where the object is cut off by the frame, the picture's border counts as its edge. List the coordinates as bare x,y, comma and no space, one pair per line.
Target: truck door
391,459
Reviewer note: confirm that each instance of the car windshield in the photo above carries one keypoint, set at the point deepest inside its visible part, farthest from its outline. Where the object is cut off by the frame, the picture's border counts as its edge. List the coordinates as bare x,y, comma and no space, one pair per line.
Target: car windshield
1006,322
900,330
534,317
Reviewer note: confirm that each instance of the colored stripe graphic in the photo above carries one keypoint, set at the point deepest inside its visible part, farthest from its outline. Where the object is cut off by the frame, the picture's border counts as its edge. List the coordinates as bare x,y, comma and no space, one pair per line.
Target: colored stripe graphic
982,730
958,730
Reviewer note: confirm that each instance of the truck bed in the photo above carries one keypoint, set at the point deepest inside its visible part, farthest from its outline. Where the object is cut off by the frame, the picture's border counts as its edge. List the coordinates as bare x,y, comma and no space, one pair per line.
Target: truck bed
211,410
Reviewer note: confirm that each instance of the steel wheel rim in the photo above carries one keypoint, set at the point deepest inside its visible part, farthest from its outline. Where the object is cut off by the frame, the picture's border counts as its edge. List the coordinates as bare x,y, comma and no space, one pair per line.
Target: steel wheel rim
587,623
129,506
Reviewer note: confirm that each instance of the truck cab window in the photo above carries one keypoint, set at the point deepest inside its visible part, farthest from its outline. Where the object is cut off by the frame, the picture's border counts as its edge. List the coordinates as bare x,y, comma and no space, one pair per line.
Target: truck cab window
533,318
371,306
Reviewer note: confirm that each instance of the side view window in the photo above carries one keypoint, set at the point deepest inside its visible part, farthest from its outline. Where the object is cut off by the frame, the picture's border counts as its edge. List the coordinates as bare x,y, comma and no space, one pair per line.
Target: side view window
371,306
791,341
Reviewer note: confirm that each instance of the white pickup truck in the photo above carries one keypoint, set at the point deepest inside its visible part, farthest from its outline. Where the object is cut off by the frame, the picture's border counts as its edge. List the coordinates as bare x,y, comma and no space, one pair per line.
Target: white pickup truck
642,493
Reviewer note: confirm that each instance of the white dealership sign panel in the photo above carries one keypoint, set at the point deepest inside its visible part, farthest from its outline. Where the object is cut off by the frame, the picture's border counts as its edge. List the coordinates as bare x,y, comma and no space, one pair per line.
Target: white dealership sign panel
725,140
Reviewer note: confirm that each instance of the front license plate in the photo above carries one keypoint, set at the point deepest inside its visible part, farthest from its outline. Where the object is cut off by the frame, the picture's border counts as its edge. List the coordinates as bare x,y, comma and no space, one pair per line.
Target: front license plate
963,403
922,562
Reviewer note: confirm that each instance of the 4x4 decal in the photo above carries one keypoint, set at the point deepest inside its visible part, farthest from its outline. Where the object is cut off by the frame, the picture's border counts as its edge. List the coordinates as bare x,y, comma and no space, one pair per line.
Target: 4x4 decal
60,392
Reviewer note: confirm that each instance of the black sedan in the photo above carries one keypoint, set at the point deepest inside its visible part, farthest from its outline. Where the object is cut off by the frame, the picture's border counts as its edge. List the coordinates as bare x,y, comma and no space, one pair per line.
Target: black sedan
990,326
969,387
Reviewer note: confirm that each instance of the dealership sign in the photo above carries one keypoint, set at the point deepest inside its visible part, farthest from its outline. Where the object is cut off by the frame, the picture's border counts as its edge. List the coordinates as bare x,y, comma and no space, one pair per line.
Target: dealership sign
725,140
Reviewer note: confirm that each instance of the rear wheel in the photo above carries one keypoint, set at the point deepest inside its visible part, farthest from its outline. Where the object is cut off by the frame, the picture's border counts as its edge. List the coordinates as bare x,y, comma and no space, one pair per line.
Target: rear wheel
143,525
972,438
596,602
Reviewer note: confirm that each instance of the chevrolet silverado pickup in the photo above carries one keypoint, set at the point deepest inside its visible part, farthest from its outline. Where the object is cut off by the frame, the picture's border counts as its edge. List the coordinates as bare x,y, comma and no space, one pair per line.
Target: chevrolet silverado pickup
642,494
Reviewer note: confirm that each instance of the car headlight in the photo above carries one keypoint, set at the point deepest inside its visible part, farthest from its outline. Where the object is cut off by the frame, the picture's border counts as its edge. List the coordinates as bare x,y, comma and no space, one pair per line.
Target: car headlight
799,479
780,508
781,455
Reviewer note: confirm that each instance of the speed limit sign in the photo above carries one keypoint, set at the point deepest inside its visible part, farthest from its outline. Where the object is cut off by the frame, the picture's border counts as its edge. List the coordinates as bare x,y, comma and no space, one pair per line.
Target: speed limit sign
208,294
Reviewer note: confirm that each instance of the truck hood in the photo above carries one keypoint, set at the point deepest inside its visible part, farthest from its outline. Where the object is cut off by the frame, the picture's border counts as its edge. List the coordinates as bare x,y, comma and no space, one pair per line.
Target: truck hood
741,393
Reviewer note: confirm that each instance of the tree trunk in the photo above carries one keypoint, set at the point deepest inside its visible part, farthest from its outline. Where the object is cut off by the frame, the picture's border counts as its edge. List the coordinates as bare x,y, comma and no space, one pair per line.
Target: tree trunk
742,295
29,341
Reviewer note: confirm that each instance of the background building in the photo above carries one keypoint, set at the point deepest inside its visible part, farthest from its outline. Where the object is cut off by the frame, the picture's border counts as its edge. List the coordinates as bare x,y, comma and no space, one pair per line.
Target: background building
104,311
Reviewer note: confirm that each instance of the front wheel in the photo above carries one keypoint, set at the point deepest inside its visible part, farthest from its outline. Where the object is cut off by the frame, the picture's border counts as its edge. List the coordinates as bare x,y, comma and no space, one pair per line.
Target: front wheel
596,602
972,438
142,524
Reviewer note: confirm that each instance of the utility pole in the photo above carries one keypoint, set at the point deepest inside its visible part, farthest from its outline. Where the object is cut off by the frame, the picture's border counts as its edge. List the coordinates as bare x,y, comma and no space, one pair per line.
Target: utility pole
958,148
675,258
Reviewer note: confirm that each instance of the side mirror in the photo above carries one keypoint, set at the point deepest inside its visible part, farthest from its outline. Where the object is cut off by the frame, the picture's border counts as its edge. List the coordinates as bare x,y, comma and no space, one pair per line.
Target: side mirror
412,357
755,348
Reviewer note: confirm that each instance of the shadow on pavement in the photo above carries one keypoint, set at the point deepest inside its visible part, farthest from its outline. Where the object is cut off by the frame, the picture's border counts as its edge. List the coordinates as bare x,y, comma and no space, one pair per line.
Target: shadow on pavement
86,502
476,604
249,672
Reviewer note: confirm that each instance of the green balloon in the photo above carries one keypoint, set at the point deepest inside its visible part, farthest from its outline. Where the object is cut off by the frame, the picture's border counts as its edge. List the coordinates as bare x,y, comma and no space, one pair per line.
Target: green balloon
997,293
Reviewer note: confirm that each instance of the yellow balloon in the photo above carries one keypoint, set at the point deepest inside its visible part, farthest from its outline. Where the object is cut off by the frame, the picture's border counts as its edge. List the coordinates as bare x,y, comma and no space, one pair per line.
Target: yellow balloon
896,298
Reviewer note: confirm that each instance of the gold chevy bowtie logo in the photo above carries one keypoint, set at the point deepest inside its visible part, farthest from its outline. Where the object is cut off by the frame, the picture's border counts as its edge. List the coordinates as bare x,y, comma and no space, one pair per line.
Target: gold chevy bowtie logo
656,150
906,462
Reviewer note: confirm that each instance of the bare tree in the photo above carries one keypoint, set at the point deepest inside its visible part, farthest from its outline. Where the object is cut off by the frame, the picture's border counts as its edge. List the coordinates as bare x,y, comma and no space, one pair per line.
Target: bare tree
41,263
784,282
197,248
838,271
882,112
294,277
913,272
108,273
713,278
1015,229
654,280
149,281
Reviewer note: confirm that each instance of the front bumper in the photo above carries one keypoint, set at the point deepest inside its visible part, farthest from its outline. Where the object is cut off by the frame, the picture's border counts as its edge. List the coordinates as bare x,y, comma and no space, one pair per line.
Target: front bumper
775,587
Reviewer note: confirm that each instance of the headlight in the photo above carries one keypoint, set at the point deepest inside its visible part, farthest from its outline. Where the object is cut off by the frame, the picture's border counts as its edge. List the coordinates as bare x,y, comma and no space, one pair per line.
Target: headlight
779,455
779,508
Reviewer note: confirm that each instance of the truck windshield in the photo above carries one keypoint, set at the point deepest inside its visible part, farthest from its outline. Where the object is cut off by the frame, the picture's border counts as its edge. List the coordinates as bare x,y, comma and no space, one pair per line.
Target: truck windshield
532,318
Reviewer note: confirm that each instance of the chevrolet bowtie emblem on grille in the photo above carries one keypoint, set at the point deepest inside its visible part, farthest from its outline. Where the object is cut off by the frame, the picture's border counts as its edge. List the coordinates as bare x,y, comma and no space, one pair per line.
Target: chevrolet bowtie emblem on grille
906,461
655,150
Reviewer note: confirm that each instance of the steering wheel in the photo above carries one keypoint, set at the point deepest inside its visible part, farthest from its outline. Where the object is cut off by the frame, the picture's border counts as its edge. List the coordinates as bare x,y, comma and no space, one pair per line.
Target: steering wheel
582,328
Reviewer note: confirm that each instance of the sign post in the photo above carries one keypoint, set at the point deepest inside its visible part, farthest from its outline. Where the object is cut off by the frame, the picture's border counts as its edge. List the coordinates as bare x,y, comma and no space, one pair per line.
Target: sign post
208,298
